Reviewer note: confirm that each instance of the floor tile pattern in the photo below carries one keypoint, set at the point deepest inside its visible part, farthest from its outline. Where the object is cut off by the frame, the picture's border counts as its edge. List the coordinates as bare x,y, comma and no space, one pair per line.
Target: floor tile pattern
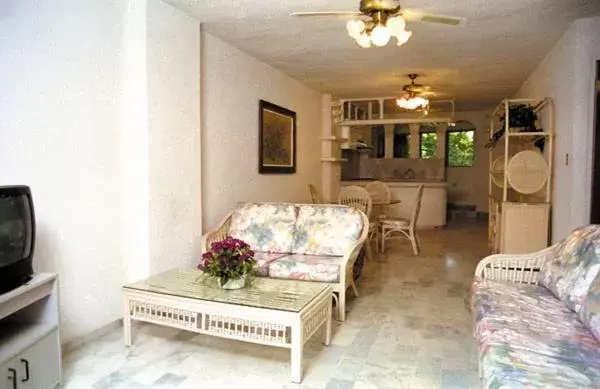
410,328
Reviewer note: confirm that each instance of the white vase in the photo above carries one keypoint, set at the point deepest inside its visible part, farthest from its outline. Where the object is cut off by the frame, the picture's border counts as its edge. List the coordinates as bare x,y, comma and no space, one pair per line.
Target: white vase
233,283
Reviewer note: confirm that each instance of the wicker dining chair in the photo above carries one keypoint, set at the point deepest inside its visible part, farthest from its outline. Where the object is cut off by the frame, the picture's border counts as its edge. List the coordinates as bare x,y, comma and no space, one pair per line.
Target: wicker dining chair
380,192
381,196
315,198
406,228
359,198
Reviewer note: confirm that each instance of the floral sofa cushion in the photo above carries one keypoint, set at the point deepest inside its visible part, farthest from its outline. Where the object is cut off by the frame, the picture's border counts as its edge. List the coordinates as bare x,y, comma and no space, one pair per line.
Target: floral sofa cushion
263,260
267,227
326,230
576,264
590,312
528,338
307,267
505,367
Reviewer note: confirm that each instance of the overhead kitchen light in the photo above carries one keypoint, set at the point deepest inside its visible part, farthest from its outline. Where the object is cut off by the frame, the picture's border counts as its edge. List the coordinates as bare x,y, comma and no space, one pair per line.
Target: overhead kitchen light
411,100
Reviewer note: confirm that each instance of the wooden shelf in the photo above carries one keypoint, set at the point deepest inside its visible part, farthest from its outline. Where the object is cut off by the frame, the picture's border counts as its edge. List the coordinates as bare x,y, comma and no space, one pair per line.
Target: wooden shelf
16,337
37,288
537,103
335,139
334,160
529,134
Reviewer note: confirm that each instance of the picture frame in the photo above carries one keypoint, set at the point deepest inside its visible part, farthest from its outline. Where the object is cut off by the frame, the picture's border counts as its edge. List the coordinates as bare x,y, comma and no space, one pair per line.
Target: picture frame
276,139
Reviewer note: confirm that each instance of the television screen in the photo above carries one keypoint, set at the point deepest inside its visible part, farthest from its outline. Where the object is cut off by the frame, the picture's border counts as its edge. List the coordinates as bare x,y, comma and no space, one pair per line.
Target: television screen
15,229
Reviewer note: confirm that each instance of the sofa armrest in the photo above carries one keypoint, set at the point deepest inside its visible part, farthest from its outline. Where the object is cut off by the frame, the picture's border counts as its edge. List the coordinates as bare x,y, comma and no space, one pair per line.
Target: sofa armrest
514,268
350,258
219,233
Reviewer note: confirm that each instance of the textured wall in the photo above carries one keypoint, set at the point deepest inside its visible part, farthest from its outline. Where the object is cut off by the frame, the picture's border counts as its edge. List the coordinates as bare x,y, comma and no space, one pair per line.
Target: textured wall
75,102
232,85
567,75
60,133
174,137
384,168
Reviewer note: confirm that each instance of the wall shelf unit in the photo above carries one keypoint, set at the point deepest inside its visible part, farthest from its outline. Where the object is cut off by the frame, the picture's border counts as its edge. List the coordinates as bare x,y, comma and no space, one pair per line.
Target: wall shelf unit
520,177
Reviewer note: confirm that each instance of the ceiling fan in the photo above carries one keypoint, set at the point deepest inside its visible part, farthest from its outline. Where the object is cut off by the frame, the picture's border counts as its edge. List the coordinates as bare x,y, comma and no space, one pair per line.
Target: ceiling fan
417,89
414,95
385,19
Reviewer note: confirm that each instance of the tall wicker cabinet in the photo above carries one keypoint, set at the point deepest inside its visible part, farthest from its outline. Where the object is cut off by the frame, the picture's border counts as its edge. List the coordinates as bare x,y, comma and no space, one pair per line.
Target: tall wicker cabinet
520,176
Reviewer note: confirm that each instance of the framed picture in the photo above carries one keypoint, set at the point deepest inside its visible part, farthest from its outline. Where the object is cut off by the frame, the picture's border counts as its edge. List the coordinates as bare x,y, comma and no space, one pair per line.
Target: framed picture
277,139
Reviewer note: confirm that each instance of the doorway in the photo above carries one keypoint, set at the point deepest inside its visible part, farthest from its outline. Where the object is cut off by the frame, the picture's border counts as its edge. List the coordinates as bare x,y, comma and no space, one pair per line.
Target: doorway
595,211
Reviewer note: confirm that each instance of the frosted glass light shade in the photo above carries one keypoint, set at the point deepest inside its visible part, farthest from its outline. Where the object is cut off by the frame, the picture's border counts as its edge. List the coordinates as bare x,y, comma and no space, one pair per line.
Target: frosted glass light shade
403,37
412,103
363,40
396,25
355,28
380,35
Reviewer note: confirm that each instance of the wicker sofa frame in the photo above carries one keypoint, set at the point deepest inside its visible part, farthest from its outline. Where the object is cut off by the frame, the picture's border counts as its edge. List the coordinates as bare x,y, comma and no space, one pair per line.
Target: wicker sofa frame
346,268
514,268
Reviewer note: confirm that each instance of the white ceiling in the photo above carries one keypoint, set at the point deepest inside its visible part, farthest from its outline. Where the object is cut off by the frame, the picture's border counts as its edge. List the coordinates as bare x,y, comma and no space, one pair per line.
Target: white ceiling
478,64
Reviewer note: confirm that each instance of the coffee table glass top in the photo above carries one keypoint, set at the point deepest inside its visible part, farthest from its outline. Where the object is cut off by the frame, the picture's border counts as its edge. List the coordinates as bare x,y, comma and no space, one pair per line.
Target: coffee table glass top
261,292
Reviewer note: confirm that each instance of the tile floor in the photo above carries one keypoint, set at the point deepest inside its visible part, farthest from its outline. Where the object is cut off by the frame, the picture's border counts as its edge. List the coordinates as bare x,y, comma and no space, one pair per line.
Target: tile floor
409,329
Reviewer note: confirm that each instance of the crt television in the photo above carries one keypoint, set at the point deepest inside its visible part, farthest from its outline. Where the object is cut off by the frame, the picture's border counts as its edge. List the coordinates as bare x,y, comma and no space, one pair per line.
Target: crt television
17,236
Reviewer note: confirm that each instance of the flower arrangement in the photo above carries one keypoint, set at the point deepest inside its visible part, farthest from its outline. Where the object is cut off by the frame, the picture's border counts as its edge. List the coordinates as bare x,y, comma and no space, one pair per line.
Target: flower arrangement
230,260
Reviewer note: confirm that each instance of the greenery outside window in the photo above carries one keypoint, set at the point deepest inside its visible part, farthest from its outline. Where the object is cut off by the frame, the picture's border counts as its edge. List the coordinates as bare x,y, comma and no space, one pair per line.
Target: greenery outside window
428,145
460,148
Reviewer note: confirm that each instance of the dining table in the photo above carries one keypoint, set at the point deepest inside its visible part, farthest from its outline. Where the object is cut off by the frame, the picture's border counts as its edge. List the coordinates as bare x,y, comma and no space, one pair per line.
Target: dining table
391,202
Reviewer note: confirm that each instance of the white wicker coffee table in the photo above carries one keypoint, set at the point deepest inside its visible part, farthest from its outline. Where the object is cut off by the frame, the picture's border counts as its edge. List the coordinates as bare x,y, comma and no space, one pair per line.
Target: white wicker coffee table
281,313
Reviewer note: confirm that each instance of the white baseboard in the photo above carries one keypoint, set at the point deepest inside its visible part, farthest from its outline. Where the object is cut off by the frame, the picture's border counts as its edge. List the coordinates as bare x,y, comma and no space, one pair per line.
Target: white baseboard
95,334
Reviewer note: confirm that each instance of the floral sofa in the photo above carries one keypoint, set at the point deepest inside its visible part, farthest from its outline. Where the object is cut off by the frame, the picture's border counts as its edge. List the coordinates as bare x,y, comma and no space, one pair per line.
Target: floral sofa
300,241
537,316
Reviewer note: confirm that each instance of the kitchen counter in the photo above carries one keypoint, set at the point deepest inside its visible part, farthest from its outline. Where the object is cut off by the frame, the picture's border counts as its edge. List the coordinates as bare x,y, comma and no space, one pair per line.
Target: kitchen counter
396,182
433,203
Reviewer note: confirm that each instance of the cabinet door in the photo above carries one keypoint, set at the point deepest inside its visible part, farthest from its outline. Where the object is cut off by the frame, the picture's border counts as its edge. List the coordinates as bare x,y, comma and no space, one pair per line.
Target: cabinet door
38,367
524,227
7,376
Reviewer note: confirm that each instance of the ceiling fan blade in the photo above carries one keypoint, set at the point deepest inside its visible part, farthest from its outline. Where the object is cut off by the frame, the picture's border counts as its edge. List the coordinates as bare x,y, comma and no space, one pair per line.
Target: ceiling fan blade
414,16
329,13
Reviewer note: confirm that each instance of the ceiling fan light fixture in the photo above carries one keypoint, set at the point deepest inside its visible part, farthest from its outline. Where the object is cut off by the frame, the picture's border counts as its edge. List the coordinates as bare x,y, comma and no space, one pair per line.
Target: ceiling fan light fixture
413,102
380,35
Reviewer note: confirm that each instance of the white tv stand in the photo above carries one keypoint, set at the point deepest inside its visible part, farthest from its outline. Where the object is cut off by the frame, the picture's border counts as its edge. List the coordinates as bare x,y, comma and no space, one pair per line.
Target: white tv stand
29,336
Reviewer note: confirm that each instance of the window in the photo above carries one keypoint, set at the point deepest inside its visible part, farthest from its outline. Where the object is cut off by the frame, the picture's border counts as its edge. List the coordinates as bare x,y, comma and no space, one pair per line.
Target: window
460,148
428,145
401,145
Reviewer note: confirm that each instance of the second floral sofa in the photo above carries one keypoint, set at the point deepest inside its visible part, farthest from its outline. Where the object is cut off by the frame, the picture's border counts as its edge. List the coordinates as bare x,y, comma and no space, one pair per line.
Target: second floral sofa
537,316
300,241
